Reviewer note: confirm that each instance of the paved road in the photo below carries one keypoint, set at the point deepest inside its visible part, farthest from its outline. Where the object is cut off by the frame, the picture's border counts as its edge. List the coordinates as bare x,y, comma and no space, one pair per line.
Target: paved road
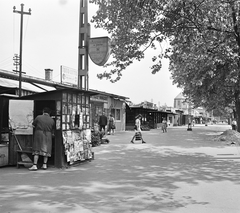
175,172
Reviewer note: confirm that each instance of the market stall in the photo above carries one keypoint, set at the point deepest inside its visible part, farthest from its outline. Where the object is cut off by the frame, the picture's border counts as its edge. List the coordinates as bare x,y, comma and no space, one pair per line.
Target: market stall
4,130
72,136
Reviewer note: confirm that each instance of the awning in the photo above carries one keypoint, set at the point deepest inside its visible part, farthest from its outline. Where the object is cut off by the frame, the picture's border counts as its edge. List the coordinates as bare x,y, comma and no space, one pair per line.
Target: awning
33,87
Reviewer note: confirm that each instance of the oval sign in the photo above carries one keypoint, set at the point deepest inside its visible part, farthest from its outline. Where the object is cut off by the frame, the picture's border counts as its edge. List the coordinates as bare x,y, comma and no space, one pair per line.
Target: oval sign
99,50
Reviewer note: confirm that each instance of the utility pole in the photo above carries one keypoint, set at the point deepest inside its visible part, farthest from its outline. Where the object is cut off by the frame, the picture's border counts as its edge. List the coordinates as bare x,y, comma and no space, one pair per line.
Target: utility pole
84,34
16,59
21,35
16,62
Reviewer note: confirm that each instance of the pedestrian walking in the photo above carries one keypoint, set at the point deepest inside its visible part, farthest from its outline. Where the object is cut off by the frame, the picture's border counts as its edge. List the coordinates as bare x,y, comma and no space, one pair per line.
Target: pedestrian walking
234,124
193,122
42,141
102,122
111,125
164,125
137,128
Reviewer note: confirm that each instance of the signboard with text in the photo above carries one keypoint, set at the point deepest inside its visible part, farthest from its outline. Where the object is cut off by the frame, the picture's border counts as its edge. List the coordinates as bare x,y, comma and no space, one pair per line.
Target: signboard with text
69,76
99,50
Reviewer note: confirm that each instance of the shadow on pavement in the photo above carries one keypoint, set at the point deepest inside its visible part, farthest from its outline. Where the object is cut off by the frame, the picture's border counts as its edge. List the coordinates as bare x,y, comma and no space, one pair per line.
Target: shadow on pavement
164,175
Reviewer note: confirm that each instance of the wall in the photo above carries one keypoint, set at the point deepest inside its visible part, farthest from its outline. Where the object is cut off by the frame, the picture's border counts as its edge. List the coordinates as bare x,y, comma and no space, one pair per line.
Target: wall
109,105
170,120
117,108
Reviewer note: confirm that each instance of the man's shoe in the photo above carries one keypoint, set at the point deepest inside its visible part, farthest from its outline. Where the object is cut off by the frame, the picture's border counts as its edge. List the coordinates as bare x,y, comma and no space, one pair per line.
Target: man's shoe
132,142
143,142
33,168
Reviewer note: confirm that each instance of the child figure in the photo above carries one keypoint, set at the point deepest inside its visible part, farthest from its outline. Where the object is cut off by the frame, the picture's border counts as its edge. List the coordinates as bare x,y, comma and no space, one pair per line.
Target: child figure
164,125
96,136
111,125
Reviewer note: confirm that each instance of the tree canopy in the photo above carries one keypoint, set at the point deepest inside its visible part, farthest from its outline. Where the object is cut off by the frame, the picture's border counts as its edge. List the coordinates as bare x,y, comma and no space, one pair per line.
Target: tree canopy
204,44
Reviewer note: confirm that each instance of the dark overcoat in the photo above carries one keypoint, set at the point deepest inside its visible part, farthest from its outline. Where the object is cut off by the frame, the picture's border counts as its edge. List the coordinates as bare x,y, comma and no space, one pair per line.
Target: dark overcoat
42,141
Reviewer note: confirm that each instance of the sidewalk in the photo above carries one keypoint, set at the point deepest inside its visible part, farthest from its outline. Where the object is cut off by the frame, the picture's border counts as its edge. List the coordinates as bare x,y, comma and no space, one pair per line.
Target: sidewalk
175,172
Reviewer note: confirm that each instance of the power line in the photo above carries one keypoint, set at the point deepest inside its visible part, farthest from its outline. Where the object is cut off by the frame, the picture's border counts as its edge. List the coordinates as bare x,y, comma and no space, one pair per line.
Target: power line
13,33
32,68
8,60
26,27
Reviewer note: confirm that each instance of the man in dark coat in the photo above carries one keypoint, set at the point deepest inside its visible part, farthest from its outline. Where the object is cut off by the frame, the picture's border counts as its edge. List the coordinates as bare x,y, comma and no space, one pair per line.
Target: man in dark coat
42,141
102,122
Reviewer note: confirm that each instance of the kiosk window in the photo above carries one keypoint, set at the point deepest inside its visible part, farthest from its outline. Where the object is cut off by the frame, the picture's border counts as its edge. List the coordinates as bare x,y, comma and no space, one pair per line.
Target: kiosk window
117,117
64,97
113,112
74,98
83,99
69,98
79,98
76,108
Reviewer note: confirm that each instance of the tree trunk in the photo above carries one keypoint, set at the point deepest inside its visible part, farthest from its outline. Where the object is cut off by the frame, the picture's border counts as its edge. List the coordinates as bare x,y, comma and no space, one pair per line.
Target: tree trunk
237,104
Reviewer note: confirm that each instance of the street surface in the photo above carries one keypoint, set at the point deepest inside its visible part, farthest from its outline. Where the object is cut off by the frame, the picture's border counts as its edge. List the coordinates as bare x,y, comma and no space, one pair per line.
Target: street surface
175,172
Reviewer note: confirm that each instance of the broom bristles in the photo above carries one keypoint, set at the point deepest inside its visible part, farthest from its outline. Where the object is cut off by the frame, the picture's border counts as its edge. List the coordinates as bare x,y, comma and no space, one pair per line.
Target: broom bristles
25,158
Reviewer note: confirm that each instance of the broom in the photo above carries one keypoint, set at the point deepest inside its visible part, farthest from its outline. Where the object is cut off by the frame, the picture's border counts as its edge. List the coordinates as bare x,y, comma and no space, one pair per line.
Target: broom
24,157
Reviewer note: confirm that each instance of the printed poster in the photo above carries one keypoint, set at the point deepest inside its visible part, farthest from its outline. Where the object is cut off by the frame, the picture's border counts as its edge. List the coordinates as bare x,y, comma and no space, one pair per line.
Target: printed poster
21,116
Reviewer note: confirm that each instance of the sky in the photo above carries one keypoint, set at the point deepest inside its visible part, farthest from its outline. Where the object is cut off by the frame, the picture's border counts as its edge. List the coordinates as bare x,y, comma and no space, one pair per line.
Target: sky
50,39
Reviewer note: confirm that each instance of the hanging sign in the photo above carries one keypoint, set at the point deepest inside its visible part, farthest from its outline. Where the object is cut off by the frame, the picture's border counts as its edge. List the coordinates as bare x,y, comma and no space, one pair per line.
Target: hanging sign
99,50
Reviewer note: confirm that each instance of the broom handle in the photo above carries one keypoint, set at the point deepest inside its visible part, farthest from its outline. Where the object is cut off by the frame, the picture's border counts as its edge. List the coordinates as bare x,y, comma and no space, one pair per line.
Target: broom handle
17,141
15,136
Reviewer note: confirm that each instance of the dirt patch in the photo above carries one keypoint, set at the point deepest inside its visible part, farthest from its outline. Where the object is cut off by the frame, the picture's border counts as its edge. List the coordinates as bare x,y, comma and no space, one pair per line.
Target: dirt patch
230,136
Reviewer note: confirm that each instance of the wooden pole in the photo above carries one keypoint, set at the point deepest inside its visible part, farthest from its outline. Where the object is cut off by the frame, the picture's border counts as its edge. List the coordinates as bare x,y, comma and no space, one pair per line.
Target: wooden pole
21,36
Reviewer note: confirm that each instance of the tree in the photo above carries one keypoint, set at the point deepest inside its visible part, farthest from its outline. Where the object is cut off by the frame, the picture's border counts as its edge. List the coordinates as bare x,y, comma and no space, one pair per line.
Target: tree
133,28
204,38
205,59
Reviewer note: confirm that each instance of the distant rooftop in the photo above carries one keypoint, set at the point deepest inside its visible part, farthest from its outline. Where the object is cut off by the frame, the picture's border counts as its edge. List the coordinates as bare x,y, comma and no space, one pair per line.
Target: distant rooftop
180,96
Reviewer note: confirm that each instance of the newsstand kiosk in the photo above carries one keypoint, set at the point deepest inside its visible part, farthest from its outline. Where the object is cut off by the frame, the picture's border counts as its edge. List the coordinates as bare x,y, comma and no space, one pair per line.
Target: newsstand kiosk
4,130
72,136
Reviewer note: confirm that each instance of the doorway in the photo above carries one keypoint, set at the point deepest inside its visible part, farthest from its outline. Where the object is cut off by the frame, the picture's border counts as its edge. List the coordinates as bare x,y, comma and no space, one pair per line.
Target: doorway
39,105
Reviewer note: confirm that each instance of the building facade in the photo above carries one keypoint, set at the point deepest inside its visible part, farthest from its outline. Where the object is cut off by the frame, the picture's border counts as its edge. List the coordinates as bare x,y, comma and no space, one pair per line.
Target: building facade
199,114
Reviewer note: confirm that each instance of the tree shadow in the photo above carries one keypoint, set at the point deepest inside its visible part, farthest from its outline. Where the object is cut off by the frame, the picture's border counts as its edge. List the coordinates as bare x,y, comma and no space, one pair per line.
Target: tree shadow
123,178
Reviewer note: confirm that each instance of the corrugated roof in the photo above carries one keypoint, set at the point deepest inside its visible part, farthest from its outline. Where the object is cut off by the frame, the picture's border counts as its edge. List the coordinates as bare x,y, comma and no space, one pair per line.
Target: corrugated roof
45,85
43,94
4,82
8,83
